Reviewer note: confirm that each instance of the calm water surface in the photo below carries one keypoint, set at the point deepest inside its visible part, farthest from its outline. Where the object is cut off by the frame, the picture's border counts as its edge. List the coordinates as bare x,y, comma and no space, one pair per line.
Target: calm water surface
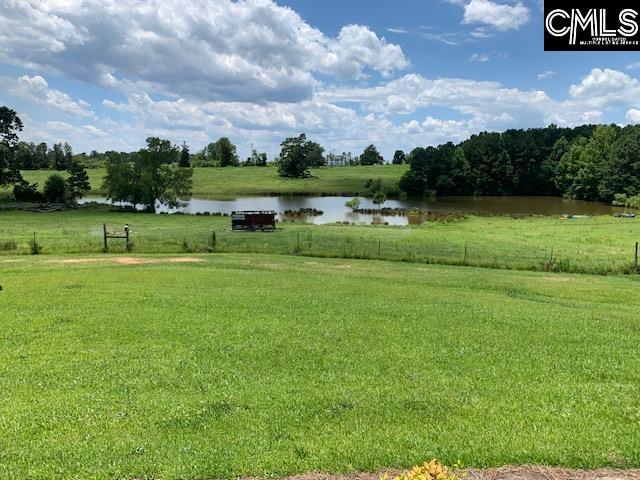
334,210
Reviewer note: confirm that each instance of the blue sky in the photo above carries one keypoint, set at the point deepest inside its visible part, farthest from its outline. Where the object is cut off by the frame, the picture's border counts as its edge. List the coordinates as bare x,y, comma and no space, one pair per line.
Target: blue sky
107,74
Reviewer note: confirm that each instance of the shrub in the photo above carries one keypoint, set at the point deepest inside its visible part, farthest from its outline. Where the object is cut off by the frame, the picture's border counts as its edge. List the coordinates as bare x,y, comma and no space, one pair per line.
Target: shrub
27,192
622,200
186,247
34,247
55,189
8,245
353,204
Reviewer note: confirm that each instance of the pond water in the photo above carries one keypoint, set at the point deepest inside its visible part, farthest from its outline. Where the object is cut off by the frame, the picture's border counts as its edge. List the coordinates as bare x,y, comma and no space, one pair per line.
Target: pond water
334,209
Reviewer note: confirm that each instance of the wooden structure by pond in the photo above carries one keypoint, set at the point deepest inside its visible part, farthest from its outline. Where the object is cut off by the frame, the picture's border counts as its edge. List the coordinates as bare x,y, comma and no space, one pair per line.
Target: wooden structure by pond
253,221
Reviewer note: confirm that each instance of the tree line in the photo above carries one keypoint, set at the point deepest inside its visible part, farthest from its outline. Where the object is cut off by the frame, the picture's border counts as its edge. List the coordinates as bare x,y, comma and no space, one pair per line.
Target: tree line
590,162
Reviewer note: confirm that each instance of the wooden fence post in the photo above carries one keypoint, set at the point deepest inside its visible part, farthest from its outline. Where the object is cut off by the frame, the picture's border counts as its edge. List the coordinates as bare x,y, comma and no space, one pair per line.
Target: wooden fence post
104,232
465,254
635,256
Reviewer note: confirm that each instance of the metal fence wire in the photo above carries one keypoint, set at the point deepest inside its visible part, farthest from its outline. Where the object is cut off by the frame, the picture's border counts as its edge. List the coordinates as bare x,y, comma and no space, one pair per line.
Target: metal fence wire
340,243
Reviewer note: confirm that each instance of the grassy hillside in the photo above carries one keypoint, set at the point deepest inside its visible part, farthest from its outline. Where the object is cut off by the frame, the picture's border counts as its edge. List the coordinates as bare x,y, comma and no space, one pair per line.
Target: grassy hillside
265,181
592,245
237,365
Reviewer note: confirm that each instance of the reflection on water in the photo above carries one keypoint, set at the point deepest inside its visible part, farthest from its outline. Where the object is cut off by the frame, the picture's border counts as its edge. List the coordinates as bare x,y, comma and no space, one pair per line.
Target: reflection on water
334,209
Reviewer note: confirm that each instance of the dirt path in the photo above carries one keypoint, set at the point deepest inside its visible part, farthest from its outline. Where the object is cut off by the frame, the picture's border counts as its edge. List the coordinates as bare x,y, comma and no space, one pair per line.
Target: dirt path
127,260
503,473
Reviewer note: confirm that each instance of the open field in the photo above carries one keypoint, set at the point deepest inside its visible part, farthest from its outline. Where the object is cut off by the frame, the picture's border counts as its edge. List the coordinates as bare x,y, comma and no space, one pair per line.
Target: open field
588,245
223,182
223,365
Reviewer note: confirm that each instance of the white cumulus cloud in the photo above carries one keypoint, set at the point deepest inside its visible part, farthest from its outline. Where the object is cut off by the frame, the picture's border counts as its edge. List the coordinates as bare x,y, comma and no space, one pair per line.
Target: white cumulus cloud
606,87
502,16
36,89
633,115
246,50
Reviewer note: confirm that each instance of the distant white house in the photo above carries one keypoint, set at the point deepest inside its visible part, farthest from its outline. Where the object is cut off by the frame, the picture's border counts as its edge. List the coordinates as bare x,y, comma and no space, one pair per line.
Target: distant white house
333,160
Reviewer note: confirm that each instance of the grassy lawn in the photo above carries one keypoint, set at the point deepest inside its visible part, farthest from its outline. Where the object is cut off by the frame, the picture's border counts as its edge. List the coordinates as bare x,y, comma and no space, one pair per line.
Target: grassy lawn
590,245
221,182
268,365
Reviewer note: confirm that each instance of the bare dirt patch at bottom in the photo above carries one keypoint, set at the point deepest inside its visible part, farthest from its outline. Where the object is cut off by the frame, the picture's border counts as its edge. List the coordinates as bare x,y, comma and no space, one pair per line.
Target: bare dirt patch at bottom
551,473
126,260
72,261
502,473
186,260
558,279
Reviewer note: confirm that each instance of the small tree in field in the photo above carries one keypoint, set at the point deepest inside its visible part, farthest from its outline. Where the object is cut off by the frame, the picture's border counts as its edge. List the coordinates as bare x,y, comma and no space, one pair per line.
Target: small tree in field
353,204
377,191
55,189
78,181
379,198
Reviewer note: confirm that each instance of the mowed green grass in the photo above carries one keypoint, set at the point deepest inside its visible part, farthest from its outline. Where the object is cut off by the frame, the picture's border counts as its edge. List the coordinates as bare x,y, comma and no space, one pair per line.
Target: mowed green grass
228,182
590,245
270,365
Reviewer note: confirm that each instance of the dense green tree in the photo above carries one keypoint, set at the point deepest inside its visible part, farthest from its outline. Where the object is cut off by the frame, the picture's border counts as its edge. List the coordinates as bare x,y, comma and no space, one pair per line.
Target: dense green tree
568,166
25,155
398,157
490,164
221,153
10,125
550,165
315,154
620,172
461,177
414,182
68,155
55,189
162,151
580,170
151,178
57,157
41,156
227,152
370,156
293,158
77,182
185,157
518,162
